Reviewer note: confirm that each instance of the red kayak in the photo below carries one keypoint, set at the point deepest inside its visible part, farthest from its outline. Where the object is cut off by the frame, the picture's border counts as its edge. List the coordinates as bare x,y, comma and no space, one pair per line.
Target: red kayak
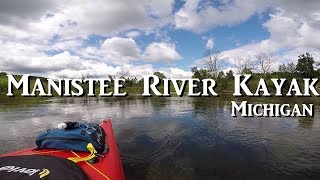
108,167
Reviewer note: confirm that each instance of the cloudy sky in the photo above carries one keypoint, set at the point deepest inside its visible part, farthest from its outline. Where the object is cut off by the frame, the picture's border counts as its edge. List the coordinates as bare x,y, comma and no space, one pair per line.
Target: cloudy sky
98,38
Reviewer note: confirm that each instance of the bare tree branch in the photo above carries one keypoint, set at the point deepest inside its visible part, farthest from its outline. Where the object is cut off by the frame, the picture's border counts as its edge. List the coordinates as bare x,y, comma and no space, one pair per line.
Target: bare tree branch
242,63
264,62
212,60
123,73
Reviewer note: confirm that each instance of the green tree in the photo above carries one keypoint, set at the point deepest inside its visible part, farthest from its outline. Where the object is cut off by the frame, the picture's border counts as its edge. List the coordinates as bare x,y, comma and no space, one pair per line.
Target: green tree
3,73
130,82
246,70
305,65
201,73
287,68
229,74
160,75
221,74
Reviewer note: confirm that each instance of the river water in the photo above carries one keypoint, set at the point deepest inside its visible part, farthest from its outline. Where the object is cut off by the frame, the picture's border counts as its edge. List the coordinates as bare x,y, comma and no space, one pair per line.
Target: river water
180,137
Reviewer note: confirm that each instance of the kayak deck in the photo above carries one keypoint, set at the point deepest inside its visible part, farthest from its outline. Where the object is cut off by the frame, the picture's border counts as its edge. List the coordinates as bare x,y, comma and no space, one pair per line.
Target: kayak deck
108,167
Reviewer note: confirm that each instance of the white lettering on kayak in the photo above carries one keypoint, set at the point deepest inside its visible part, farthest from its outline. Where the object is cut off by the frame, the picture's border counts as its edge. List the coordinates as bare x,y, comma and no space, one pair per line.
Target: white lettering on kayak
17,169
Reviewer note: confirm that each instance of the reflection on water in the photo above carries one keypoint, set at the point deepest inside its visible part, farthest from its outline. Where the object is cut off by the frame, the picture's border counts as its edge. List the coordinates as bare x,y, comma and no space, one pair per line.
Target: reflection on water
180,137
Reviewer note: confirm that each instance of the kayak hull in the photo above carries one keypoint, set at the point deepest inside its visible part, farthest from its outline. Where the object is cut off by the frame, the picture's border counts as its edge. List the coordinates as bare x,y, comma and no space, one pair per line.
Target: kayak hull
108,167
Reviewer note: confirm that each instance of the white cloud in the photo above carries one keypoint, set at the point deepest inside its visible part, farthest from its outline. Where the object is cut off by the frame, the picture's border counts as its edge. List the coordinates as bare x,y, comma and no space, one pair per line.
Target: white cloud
72,44
20,58
102,70
28,29
38,21
55,27
293,32
120,51
161,51
113,17
178,73
198,16
290,34
250,49
15,12
123,46
210,43
133,34
282,28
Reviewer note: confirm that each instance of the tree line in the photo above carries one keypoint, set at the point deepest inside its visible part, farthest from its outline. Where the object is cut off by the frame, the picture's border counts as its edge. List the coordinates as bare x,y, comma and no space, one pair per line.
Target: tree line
260,66
262,63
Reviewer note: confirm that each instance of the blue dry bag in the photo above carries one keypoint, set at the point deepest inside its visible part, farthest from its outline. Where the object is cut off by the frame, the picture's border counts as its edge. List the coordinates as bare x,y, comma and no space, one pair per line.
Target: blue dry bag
76,138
